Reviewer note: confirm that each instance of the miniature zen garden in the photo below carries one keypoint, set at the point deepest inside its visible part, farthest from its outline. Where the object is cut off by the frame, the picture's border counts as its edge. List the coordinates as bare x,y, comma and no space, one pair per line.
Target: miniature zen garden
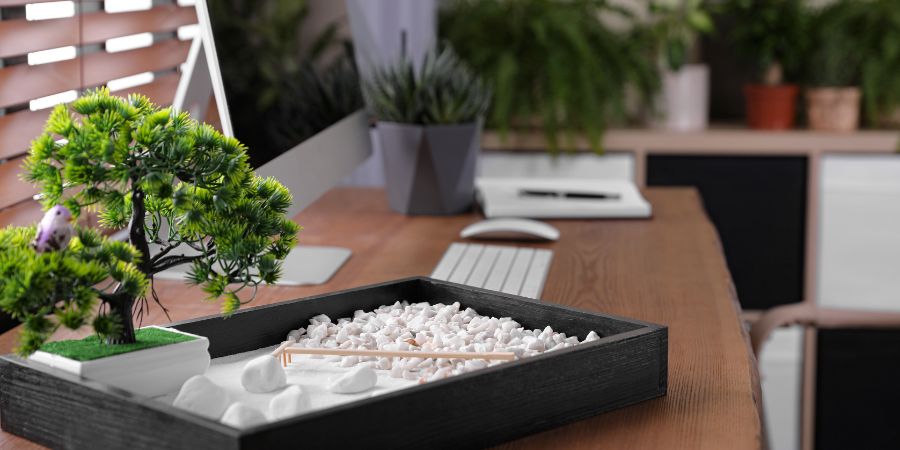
171,182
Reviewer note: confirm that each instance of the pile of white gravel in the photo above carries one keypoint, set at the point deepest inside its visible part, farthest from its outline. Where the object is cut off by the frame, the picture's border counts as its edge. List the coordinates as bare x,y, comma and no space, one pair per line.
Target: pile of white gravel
427,327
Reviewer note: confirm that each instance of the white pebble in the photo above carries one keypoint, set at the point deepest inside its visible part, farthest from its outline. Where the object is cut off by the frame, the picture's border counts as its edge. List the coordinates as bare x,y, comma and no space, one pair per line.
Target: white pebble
263,374
201,396
436,327
291,402
295,335
358,379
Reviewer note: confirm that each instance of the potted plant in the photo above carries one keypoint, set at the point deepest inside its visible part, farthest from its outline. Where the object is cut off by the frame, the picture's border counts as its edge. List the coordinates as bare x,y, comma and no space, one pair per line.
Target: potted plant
879,39
674,30
772,35
165,180
835,60
429,125
553,65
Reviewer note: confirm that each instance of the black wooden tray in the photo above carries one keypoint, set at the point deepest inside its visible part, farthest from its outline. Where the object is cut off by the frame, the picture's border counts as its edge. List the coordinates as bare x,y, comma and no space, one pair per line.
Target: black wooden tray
627,365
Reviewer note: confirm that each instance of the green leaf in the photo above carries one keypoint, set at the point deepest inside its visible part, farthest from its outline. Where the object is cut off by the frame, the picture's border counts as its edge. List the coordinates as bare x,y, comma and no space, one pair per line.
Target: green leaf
701,21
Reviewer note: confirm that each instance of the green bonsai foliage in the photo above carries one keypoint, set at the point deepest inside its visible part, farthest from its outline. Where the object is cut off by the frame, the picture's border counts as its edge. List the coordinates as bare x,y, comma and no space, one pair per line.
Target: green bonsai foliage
675,27
554,61
63,288
168,181
772,34
443,91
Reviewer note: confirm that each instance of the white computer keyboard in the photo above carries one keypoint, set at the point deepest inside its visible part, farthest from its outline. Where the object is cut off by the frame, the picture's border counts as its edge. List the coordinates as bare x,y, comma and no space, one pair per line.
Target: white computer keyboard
513,270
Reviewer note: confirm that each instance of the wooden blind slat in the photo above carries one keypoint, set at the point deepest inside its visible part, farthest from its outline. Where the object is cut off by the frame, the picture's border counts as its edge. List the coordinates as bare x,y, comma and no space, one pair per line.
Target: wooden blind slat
6,3
161,91
24,213
32,82
32,36
18,129
99,27
24,83
12,189
102,67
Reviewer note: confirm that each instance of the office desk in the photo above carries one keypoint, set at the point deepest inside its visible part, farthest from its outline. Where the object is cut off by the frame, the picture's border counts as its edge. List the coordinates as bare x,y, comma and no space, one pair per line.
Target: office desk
667,270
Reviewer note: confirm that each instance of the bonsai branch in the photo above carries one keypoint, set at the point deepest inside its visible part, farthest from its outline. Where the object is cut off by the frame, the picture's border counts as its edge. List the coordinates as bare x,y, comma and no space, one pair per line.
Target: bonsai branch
163,252
172,261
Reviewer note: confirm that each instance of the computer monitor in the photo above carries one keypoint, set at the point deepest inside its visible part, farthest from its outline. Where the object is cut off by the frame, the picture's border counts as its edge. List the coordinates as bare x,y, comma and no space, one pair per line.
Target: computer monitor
309,163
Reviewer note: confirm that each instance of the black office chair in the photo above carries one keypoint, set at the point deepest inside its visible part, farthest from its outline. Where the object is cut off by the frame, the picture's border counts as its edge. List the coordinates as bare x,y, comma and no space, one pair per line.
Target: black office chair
856,403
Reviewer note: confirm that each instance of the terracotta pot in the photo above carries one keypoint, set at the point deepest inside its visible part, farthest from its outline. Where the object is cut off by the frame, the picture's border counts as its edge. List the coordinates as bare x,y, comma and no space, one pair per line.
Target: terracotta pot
770,107
833,109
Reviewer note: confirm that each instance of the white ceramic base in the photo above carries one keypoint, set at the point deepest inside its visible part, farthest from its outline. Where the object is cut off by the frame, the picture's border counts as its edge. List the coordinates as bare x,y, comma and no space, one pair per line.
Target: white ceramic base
149,372
684,98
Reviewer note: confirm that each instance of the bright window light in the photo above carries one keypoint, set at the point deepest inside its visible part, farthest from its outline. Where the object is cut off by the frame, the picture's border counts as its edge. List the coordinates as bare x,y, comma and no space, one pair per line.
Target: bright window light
120,44
130,81
188,32
49,10
115,6
53,100
51,55
187,2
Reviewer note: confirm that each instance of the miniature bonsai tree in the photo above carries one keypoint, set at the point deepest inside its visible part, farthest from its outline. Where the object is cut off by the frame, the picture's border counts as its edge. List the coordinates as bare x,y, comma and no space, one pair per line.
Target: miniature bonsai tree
173,185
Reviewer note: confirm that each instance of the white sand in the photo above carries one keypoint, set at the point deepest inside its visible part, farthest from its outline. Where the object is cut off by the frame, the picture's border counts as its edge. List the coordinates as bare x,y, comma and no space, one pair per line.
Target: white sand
312,375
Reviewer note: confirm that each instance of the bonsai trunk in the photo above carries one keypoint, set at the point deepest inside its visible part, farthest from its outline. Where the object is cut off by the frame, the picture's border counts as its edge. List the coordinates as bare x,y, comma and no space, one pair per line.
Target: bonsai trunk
120,304
121,308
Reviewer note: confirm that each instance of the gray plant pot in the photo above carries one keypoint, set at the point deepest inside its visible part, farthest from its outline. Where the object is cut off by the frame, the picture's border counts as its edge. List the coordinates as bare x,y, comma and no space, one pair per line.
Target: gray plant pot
430,170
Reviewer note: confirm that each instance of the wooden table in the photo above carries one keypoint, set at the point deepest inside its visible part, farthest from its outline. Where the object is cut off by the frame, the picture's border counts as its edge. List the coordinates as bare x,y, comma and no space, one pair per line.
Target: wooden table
669,270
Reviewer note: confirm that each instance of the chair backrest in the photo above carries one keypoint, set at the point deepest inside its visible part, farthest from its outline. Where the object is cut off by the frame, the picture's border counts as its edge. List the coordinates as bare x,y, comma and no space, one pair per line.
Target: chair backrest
88,35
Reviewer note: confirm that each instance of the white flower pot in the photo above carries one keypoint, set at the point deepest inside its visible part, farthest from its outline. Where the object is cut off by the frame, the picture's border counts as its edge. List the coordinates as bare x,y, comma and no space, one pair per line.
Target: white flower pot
149,372
684,99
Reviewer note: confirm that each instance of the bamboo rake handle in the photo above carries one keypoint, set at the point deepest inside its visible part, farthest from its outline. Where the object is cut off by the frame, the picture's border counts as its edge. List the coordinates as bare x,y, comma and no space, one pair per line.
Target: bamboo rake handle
280,352
504,356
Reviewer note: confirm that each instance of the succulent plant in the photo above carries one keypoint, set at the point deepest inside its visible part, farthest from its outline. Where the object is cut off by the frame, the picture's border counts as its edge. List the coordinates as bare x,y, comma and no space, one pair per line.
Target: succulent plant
442,91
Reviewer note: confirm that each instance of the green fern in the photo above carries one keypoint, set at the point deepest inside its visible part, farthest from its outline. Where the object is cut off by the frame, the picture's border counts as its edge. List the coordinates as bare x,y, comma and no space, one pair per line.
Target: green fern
551,60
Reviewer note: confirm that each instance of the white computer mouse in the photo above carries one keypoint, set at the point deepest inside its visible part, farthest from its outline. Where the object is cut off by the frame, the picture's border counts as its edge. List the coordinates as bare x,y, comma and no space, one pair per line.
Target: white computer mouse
510,228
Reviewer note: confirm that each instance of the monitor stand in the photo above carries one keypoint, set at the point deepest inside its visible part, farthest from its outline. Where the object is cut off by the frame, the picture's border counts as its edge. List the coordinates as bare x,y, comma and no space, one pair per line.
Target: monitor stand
304,265
312,264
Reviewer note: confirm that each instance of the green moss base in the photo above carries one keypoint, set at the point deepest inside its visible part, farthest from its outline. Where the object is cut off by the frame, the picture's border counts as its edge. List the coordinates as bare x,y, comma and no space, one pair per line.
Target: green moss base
92,347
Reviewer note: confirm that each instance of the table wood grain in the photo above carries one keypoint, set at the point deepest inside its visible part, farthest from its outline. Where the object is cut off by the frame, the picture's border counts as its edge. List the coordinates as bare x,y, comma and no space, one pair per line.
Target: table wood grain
669,270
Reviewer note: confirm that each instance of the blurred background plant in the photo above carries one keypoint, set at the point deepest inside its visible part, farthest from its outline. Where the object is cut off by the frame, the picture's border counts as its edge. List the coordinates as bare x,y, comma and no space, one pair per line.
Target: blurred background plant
329,95
443,91
880,80
552,64
836,53
674,29
288,79
772,35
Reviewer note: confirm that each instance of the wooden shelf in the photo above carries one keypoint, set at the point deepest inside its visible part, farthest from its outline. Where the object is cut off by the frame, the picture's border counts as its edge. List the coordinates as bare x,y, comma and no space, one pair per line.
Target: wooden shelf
714,140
